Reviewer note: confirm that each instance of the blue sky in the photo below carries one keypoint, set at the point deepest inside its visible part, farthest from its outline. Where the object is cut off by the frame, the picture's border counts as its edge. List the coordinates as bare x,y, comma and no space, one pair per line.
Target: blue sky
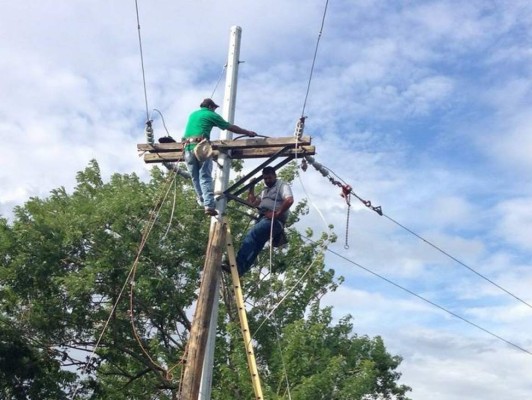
422,106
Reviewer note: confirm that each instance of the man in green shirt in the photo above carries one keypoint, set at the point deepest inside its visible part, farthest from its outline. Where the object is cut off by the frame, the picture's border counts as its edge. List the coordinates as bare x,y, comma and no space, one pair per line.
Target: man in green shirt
199,126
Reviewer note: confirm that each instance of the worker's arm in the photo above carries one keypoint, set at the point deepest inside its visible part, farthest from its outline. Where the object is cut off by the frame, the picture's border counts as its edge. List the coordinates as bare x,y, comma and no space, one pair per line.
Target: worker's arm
251,196
241,131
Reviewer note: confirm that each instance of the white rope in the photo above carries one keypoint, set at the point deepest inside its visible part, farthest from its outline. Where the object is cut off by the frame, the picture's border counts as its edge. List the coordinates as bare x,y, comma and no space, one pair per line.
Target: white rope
323,247
281,352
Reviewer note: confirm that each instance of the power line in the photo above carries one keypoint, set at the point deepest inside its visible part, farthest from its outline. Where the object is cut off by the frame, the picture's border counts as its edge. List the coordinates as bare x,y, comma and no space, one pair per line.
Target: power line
326,173
425,300
458,261
314,59
162,118
142,62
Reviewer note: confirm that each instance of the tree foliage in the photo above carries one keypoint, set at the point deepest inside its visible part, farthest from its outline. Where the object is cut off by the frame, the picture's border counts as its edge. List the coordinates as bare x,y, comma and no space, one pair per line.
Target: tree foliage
98,288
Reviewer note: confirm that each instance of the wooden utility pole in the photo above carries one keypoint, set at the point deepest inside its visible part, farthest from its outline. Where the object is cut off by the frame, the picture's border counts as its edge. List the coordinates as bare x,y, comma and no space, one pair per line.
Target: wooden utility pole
198,368
197,376
200,324
220,184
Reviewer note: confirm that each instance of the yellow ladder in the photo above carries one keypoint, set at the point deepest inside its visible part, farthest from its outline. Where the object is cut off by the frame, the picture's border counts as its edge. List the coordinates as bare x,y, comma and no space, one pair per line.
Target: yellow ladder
244,327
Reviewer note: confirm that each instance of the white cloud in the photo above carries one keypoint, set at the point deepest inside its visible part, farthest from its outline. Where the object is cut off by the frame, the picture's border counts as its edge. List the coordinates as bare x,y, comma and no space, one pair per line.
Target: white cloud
448,366
423,108
438,363
515,221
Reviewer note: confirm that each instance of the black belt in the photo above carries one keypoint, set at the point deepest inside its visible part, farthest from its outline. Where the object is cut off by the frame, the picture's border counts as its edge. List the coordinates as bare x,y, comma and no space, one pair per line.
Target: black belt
263,215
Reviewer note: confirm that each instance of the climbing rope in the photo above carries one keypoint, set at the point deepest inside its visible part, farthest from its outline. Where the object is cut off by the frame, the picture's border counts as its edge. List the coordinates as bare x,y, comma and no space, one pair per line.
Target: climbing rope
281,354
181,362
323,247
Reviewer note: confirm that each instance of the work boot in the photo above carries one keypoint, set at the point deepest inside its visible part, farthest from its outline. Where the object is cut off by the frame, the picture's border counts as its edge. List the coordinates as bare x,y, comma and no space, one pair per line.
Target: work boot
280,240
211,211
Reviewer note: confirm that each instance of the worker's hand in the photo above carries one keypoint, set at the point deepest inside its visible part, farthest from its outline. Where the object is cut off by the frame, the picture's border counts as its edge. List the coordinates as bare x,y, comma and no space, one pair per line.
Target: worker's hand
251,194
252,134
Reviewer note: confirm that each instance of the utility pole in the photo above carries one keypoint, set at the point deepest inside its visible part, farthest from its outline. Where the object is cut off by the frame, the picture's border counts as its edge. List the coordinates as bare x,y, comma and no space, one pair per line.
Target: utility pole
197,376
200,324
220,184
200,356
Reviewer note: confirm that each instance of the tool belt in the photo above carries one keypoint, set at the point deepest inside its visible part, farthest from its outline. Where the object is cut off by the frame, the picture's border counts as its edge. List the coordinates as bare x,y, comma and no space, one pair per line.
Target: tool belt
195,139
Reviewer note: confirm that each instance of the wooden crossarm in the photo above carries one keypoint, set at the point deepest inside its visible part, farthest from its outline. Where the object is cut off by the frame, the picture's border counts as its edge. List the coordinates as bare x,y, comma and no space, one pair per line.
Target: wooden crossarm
237,154
229,144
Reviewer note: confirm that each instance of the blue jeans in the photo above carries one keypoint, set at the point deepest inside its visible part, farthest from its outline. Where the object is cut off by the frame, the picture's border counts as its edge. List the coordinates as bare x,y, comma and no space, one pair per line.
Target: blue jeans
201,173
254,241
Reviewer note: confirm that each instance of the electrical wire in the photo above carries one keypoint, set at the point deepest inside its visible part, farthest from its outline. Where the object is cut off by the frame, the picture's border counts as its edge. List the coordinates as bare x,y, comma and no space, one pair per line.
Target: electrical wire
147,229
425,299
314,59
162,118
132,275
142,62
173,210
379,211
458,261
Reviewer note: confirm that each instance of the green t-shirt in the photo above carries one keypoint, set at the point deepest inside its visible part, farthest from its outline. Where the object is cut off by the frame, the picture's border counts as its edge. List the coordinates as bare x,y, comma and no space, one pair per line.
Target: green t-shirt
201,122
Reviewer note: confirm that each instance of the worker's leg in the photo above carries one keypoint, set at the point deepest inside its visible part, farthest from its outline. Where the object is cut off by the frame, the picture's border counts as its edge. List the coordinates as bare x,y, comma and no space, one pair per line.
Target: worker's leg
193,167
205,178
254,241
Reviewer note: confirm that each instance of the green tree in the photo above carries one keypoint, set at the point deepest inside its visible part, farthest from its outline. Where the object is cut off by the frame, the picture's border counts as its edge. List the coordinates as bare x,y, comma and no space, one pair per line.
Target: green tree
98,288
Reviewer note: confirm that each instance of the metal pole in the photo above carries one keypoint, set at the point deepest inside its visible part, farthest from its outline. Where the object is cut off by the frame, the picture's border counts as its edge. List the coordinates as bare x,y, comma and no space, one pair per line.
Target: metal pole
220,184
231,80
